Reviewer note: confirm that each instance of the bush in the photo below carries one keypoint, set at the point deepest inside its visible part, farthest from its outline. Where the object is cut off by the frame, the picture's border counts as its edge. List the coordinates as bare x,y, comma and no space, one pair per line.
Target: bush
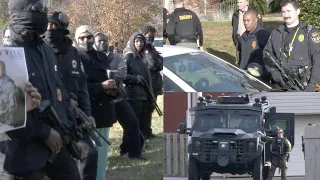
274,6
310,12
260,5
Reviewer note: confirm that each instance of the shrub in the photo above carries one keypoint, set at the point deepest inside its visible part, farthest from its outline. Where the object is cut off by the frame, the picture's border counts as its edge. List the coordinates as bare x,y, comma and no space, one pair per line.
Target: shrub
310,11
260,5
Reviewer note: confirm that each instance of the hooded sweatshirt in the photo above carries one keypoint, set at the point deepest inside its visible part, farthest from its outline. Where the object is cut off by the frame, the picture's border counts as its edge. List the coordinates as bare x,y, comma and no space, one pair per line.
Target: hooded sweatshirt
136,66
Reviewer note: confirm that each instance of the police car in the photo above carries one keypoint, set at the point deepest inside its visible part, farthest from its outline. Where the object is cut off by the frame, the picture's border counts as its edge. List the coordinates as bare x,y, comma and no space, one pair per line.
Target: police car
192,70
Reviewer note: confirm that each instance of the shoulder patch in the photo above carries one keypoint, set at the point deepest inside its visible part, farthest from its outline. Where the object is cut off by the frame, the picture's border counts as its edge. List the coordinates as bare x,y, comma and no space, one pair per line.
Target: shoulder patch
74,64
315,37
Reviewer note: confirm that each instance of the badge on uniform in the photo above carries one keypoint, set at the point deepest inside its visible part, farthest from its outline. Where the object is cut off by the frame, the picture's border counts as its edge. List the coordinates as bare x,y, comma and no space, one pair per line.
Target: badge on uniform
301,37
74,64
315,37
59,95
254,44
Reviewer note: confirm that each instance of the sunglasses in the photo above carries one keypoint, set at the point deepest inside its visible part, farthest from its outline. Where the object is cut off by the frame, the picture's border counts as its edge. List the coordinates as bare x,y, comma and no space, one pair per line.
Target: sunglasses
39,6
85,37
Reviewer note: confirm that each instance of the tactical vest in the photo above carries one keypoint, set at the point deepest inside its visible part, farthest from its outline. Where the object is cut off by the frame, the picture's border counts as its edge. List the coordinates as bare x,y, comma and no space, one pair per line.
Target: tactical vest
278,148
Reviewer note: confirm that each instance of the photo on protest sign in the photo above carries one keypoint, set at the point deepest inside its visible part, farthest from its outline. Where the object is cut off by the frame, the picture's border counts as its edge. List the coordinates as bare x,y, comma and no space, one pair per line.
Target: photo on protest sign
13,78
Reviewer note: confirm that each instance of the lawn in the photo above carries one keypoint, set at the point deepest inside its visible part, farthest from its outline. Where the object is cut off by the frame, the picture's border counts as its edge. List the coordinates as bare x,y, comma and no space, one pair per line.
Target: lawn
120,168
218,41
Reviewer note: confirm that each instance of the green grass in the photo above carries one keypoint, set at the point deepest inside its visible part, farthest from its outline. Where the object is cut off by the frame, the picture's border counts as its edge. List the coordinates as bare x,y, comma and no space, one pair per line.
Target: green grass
218,40
120,168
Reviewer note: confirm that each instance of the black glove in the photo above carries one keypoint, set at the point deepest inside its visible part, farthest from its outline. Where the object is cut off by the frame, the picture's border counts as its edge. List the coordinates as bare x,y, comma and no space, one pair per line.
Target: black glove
276,75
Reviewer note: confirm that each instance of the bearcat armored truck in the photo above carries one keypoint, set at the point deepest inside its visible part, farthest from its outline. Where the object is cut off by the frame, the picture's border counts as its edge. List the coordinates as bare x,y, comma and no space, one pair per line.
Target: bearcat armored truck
224,136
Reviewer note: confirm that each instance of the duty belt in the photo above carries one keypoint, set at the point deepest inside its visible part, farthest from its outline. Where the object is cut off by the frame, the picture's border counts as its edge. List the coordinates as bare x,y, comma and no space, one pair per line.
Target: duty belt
186,41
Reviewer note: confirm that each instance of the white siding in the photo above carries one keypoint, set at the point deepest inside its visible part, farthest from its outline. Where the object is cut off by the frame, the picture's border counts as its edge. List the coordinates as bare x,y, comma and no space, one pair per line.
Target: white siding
300,103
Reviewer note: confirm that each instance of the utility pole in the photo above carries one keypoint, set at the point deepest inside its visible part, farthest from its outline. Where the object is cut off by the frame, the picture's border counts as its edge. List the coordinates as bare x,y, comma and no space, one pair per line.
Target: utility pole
205,7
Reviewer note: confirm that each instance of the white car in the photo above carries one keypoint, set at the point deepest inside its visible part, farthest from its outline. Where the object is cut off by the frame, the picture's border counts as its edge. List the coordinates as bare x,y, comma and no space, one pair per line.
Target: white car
192,70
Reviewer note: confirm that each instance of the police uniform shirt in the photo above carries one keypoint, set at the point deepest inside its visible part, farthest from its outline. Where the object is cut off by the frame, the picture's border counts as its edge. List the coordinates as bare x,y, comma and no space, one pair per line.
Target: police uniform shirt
184,24
251,46
305,51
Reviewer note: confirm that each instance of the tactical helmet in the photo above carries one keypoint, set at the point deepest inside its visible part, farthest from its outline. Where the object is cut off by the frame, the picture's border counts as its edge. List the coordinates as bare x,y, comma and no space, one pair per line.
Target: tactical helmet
274,129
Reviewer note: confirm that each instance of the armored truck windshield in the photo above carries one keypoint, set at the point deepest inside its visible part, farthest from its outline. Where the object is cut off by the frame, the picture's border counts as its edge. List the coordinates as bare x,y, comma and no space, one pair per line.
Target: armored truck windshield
246,120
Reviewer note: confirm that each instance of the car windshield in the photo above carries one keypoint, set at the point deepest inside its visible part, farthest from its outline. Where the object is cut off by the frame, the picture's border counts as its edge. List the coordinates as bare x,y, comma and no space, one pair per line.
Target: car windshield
229,119
205,73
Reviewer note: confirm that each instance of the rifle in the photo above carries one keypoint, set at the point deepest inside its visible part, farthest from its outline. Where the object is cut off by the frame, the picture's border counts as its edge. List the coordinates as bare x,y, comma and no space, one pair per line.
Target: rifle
286,80
84,118
150,96
70,135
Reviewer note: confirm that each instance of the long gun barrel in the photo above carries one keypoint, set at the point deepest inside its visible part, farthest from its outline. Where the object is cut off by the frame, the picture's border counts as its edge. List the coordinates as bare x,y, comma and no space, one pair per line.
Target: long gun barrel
84,118
147,88
290,82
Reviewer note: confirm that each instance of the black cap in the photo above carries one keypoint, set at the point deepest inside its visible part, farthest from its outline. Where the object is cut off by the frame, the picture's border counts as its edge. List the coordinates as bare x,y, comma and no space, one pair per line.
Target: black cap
18,5
59,18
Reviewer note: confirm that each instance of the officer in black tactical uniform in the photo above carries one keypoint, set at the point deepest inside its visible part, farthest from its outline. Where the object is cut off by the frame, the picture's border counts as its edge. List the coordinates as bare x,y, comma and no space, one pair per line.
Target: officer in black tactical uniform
75,81
252,43
30,147
296,47
281,148
184,27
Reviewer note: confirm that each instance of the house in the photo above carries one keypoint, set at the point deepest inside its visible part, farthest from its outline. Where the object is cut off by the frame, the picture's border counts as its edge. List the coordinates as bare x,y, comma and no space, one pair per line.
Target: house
305,105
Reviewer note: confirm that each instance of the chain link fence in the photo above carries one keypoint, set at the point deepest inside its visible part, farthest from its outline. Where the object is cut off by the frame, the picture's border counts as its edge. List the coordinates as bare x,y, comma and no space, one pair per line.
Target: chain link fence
218,12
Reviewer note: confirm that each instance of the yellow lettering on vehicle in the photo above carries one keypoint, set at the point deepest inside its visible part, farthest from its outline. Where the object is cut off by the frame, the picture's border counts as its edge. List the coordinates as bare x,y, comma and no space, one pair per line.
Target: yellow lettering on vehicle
185,17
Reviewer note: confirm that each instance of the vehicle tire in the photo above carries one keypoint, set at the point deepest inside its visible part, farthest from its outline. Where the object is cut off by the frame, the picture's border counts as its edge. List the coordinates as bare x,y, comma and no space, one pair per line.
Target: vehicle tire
193,169
205,176
257,172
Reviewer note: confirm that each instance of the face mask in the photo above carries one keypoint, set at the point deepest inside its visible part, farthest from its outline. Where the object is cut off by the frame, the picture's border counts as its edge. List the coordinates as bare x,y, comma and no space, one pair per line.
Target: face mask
86,46
35,21
54,34
150,39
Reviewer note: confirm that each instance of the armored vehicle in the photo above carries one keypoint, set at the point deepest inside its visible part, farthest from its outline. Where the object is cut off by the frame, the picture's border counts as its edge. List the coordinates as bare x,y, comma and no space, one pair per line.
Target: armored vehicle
224,136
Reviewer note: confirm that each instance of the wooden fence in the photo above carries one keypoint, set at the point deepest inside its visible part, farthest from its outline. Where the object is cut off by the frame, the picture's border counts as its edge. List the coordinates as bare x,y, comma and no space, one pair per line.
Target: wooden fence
312,152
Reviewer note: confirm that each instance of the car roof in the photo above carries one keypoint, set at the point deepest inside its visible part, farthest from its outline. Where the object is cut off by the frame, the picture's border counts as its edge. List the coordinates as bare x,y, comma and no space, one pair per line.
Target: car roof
170,50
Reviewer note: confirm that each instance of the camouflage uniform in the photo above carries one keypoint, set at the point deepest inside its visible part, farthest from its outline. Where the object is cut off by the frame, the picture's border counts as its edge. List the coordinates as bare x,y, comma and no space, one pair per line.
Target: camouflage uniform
8,101
278,160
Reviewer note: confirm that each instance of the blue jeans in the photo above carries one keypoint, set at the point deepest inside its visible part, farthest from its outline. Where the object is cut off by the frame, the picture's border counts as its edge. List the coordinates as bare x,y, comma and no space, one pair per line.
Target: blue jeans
102,153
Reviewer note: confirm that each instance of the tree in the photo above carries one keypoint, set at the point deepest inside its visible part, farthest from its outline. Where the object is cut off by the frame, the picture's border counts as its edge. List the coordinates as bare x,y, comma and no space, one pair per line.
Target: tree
310,12
119,19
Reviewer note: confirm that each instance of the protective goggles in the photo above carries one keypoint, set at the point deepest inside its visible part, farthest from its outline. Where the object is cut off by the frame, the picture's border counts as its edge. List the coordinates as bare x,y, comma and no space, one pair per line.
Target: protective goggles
62,17
39,6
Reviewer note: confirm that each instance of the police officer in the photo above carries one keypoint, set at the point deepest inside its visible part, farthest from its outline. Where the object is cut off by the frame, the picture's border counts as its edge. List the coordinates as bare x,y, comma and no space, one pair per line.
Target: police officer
296,47
30,147
252,42
238,27
132,141
74,79
184,27
281,148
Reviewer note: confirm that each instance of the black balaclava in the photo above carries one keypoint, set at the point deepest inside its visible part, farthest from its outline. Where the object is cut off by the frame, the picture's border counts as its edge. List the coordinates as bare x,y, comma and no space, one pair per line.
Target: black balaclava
57,38
27,17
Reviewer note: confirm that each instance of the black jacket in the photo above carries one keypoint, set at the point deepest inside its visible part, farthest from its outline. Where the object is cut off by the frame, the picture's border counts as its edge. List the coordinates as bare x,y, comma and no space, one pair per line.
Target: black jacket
184,24
235,22
155,63
73,75
305,52
136,65
27,150
251,47
95,64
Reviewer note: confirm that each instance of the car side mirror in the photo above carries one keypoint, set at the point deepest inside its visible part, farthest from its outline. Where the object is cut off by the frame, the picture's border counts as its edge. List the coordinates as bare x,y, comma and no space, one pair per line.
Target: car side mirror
182,128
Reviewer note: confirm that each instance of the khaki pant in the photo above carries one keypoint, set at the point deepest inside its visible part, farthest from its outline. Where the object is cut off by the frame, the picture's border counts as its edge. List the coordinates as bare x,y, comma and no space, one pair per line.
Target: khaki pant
188,45
283,168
